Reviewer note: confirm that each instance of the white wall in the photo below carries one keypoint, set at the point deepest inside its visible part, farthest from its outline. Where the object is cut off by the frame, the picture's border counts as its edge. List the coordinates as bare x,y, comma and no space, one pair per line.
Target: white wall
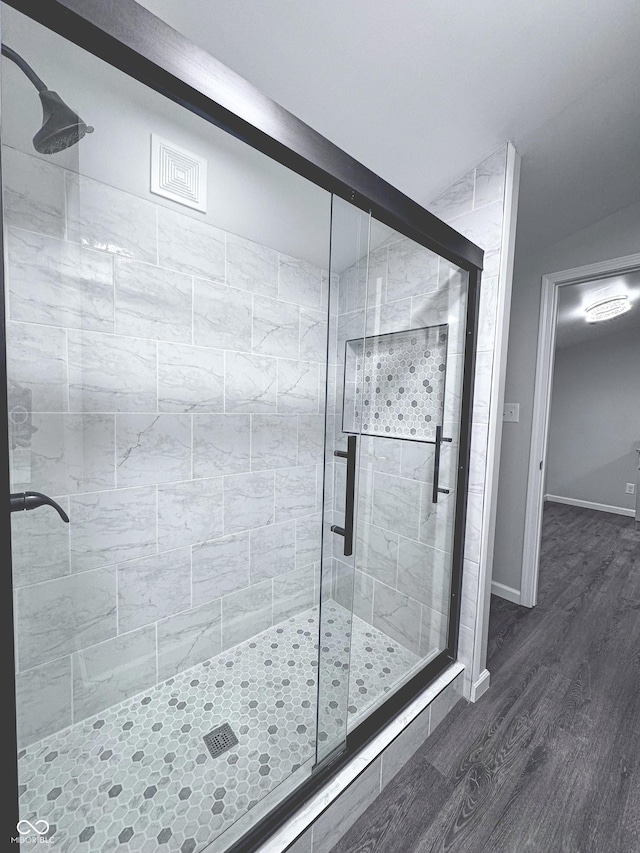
594,426
615,236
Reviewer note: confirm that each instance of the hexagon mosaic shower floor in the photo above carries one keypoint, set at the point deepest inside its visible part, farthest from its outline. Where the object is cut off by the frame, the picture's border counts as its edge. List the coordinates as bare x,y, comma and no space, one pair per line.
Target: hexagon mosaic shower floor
138,776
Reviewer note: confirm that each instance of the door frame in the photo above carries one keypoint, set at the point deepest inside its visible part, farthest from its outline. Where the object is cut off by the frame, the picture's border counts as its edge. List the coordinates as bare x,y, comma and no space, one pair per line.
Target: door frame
551,284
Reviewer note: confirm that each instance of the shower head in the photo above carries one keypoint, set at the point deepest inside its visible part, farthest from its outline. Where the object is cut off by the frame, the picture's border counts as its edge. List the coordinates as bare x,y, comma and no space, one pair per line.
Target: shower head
61,126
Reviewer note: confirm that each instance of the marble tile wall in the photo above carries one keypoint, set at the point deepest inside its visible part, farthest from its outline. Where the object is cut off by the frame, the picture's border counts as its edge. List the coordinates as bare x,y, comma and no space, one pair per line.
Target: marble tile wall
404,541
167,387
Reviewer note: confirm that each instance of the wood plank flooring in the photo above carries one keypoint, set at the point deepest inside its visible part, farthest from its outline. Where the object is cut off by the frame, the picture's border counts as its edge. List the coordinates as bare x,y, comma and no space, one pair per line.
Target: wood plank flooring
548,761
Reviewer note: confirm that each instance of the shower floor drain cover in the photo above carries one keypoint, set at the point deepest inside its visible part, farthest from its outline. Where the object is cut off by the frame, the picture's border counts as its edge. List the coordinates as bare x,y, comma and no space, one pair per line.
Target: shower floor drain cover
220,740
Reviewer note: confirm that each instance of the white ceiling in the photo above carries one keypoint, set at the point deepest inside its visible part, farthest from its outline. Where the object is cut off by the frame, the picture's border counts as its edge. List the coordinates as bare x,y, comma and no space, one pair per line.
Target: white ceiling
421,90
573,329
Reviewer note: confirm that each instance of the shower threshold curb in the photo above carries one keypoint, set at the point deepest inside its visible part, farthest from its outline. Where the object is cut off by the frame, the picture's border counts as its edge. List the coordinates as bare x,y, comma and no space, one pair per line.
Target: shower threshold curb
320,802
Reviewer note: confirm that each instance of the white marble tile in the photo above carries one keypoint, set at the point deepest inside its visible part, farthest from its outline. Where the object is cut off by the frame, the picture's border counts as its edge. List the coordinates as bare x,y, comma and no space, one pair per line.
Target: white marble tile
445,701
405,745
490,178
353,286
58,283
310,439
221,316
296,492
189,512
437,520
299,282
152,302
487,314
248,501
350,327
190,379
453,387
84,607
191,246
246,613
109,373
276,328
392,317
65,453
273,551
377,276
308,536
417,461
469,602
39,545
484,228
250,383
152,449
396,504
424,574
43,697
377,553
482,387
220,444
274,441
397,615
412,270
473,534
332,825
380,454
110,220
110,527
110,672
251,266
433,631
220,567
478,458
298,383
153,588
455,200
430,309
188,639
293,593
313,335
33,193
37,364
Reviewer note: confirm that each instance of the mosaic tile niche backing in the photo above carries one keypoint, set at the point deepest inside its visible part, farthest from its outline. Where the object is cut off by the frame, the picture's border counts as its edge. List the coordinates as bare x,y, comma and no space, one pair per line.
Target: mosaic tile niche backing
397,383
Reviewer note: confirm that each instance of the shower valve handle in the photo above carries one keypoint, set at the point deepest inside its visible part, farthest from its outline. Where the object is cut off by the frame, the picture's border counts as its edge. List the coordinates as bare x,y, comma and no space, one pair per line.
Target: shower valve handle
32,500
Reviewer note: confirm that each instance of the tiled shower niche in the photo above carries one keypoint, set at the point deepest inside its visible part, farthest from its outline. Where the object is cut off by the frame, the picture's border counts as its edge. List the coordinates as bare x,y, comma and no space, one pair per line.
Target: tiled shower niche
394,384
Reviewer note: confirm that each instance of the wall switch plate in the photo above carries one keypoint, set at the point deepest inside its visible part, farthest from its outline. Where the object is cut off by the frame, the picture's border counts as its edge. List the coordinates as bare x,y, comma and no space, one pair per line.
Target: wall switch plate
631,489
511,413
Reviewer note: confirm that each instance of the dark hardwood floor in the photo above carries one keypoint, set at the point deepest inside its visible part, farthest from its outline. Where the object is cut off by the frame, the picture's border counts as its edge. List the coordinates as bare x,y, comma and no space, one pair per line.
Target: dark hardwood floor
548,760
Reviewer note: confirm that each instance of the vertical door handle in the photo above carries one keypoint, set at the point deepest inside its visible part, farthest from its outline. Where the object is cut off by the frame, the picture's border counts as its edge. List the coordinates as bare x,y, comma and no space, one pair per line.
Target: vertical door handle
349,500
436,467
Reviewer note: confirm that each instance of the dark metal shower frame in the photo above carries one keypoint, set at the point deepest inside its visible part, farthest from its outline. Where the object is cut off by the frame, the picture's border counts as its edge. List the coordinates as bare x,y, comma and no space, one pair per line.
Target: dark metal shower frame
130,38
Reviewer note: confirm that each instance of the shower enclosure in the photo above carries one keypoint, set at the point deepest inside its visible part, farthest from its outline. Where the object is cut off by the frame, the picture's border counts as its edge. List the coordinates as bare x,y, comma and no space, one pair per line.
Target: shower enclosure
241,366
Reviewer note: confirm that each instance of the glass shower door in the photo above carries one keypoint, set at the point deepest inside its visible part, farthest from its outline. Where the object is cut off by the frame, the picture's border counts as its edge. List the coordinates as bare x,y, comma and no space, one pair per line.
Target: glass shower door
393,435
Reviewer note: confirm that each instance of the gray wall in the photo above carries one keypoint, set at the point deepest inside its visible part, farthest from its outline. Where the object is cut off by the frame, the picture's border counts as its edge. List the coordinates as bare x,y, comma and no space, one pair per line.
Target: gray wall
615,236
594,426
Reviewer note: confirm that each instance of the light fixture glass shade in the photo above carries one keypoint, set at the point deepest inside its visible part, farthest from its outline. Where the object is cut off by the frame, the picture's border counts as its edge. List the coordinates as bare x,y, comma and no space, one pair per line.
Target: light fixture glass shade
608,308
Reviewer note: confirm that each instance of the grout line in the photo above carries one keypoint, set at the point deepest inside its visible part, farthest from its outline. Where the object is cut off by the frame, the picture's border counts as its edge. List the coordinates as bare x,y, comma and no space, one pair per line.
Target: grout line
473,194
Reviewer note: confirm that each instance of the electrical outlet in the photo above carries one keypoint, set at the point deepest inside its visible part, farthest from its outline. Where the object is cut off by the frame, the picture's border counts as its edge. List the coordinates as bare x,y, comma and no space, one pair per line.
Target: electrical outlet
511,413
631,489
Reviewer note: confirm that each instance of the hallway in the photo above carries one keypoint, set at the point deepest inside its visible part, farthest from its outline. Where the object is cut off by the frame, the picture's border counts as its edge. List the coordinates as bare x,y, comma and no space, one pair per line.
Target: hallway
549,759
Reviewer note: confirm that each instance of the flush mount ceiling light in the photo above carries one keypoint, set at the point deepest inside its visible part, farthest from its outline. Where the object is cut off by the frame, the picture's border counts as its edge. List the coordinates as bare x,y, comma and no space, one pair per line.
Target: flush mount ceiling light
607,309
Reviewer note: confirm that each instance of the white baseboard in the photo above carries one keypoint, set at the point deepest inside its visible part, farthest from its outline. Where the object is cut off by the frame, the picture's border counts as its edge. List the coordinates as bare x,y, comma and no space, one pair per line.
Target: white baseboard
504,591
480,686
616,510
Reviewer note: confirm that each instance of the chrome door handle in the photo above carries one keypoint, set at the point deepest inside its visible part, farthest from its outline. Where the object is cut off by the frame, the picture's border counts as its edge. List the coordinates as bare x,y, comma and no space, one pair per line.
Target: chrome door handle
32,500
349,501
